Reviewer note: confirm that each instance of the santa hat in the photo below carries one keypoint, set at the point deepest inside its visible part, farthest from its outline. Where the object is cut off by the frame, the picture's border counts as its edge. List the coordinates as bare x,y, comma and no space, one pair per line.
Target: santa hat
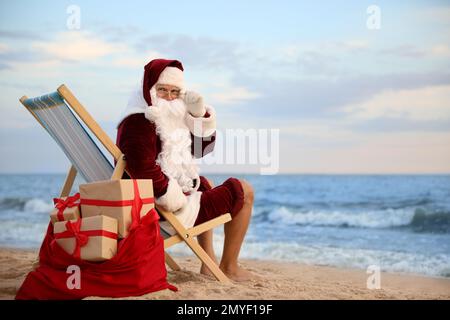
162,71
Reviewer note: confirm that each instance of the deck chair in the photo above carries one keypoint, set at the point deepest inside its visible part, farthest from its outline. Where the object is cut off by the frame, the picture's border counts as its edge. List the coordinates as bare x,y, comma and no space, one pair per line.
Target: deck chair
55,112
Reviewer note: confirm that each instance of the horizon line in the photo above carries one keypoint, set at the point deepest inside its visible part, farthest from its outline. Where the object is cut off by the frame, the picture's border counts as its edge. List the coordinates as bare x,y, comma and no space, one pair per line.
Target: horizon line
258,174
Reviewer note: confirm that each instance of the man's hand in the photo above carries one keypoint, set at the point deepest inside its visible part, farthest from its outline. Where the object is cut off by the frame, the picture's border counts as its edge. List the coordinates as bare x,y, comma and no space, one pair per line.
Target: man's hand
194,104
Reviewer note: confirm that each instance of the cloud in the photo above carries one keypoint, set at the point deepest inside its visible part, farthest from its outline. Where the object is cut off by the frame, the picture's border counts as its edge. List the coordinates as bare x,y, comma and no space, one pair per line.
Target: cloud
4,48
21,86
30,67
69,46
326,98
19,35
77,46
321,133
437,14
353,44
412,51
442,50
233,95
120,33
405,50
426,104
332,47
406,152
134,60
314,59
20,58
9,54
194,51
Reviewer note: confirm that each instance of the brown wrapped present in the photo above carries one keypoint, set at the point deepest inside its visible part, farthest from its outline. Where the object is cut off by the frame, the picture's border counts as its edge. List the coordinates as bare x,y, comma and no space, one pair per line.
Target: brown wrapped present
66,208
125,200
91,239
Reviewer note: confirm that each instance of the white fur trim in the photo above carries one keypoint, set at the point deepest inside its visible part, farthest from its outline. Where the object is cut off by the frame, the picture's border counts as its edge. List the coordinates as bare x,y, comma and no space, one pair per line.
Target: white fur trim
174,198
202,127
136,103
172,76
186,215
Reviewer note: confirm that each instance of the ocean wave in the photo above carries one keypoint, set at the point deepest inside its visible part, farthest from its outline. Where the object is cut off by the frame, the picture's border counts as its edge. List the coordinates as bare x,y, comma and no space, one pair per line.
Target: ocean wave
13,203
22,233
38,206
388,261
342,204
33,205
418,219
435,222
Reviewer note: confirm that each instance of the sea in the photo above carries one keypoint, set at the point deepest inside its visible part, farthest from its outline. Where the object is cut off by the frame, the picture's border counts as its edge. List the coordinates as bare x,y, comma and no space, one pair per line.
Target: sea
397,223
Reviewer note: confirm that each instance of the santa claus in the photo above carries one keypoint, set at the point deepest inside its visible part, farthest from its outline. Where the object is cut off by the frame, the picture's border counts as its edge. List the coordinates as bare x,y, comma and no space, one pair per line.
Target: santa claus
163,129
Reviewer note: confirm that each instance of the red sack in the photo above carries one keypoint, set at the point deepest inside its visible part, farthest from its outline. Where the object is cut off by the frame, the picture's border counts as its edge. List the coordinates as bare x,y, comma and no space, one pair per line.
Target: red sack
138,268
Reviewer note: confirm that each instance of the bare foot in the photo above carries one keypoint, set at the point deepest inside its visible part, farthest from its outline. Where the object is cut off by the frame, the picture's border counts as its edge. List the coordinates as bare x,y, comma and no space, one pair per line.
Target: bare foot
240,274
205,271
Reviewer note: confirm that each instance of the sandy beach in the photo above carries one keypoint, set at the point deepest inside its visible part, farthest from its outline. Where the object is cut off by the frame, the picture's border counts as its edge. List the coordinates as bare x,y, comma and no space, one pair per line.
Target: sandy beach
281,281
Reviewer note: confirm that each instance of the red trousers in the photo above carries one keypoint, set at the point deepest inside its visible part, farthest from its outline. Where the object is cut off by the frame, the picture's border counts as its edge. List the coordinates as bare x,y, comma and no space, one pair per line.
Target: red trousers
225,198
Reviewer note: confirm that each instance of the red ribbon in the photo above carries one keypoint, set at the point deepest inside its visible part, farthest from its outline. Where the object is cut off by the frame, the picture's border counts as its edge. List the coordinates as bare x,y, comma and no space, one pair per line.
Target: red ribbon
61,204
82,237
136,204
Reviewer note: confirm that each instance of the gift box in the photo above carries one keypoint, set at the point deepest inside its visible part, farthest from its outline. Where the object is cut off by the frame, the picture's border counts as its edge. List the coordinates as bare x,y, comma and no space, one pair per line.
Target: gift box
66,208
125,200
91,239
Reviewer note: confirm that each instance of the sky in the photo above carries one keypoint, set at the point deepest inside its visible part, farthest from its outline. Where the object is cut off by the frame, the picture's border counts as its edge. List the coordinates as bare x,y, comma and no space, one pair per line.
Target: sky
357,87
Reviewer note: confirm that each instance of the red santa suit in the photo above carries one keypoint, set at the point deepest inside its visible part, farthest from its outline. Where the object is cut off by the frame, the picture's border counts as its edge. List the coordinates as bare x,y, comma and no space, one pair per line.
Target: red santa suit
161,139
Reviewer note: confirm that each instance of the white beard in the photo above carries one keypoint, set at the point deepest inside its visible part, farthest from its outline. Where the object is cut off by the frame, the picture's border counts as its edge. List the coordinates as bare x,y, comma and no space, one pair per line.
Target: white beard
175,158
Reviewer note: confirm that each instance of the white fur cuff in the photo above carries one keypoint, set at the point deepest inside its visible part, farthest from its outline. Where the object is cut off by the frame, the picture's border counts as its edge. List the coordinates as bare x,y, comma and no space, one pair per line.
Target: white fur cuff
172,76
187,215
202,127
174,198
